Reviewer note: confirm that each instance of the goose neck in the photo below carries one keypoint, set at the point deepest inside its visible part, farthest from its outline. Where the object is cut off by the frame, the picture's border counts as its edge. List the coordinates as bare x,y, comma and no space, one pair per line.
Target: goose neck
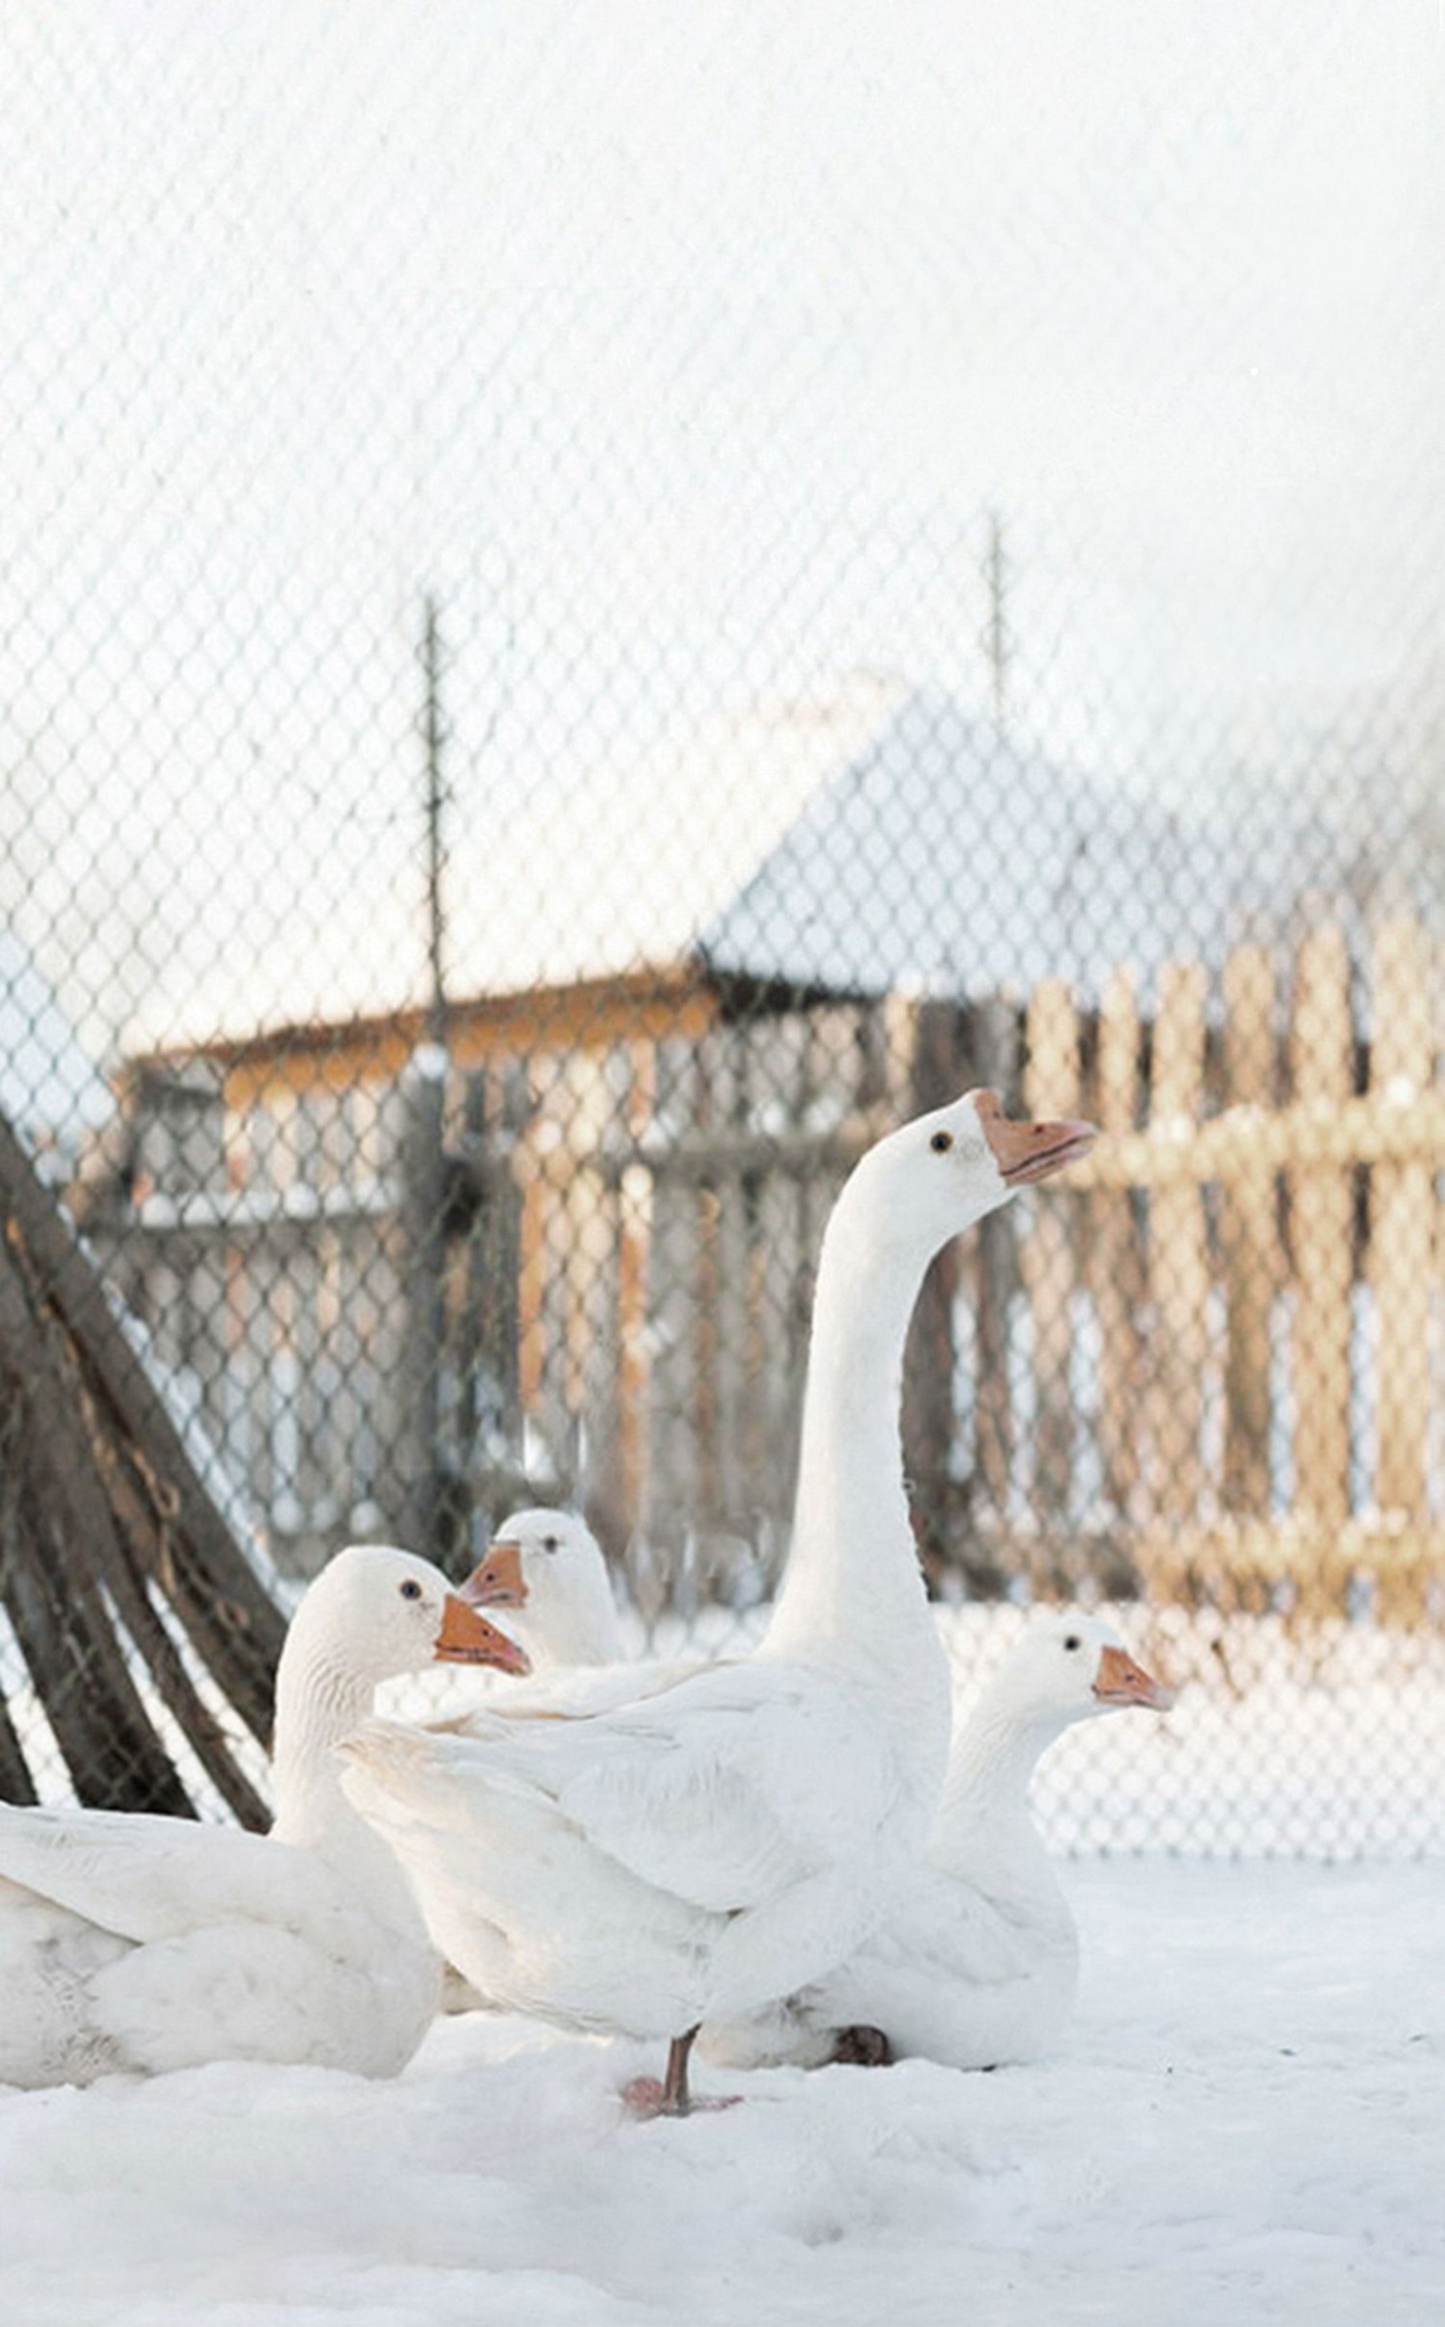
319,1701
853,1574
584,1631
984,1825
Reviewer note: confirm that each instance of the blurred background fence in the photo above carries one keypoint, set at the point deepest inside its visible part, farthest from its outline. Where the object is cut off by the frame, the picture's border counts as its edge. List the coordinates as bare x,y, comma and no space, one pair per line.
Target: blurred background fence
597,608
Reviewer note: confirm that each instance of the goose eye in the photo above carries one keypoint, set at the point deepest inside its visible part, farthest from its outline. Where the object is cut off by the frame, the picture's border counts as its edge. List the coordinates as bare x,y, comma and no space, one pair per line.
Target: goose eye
411,1589
549,1542
941,1142
1073,1641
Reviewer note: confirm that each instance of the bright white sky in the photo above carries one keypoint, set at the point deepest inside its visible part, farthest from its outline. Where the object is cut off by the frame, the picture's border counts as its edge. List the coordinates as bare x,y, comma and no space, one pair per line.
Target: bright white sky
681,351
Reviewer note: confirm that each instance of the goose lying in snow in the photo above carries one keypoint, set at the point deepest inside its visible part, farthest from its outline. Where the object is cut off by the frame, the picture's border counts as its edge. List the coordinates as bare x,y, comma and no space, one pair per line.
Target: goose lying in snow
147,1943
977,1961
723,1842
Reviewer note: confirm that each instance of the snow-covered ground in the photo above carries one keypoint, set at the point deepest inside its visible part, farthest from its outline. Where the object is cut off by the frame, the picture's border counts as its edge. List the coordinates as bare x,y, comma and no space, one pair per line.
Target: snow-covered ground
1246,2123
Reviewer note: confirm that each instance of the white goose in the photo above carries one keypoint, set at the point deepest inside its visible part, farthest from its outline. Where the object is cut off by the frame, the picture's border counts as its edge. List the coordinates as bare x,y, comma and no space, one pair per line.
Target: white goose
547,1566
977,1964
977,1960
130,1942
724,1841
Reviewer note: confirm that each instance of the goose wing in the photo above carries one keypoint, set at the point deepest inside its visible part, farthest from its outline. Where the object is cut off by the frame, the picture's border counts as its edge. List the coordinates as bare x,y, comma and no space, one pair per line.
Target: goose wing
721,1791
146,1878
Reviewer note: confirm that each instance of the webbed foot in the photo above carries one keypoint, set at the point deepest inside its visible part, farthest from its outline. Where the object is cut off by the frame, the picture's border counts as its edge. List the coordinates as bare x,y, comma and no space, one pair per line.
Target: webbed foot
863,2048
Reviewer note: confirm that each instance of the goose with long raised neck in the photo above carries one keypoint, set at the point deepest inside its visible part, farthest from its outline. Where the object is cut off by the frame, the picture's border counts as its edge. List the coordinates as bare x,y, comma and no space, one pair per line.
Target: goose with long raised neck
137,1943
719,1843
976,1962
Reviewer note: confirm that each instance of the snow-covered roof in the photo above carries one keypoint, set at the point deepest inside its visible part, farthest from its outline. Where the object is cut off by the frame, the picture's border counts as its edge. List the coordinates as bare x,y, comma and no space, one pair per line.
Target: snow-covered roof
943,857
860,838
874,837
645,856
612,871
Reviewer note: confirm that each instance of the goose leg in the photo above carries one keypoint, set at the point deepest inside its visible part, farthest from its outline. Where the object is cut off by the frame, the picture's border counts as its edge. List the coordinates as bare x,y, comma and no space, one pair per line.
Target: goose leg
676,2099
645,2097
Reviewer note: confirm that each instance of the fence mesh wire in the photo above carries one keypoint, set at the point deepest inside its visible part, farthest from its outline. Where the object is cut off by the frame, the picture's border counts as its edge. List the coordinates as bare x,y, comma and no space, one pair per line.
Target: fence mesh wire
600,605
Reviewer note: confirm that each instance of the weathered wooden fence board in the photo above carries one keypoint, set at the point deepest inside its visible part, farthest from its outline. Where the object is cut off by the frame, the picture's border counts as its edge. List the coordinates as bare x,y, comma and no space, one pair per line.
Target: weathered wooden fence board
1115,1256
1052,1086
1321,1227
1249,1232
1178,1261
1401,1251
1401,1218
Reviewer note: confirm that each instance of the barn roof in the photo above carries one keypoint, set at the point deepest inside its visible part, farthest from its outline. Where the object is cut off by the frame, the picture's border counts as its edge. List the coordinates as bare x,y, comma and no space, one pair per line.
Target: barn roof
943,856
875,837
867,836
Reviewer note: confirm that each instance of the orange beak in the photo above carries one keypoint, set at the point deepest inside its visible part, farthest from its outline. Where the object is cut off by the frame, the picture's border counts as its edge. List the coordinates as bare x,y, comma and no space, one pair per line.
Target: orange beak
497,1583
1122,1682
1030,1151
467,1638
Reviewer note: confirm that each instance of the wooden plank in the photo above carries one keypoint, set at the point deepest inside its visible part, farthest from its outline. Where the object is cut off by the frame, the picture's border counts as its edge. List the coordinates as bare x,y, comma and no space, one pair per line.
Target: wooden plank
1178,1263
712,1107
583,1230
222,1602
51,1584
634,1234
1402,1224
779,1300
594,1321
1052,1082
736,1483
114,1542
930,1358
423,1227
1115,1253
672,1263
138,1530
1344,1131
544,1167
738,1099
707,1416
667,1511
529,1174
16,1783
1253,1557
995,1048
1321,1233
70,1655
1249,1232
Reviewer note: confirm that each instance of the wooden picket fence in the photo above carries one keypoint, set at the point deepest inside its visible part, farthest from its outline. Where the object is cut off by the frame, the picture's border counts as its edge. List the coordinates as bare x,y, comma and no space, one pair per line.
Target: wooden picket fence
1259,1239
1208,1366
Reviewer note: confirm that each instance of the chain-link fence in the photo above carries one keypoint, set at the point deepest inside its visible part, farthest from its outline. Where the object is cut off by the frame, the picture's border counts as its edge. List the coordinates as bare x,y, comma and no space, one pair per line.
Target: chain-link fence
599,606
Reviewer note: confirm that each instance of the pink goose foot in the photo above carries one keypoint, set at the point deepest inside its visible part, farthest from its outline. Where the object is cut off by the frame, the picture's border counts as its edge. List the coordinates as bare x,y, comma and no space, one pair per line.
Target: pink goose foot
648,2097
